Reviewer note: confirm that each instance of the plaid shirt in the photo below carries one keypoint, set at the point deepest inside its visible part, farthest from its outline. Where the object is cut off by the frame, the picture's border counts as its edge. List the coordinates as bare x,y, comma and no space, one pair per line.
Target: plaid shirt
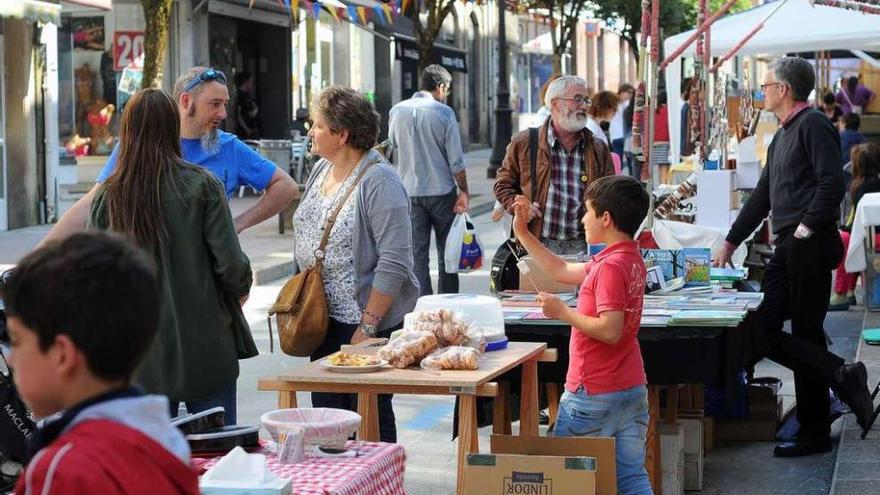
564,208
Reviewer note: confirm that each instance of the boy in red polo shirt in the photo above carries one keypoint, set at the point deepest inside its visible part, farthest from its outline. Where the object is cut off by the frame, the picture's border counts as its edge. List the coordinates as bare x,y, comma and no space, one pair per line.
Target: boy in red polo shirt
605,393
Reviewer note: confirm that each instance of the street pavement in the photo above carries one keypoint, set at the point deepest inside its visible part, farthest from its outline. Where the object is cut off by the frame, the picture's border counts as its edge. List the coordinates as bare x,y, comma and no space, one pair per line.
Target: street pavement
425,422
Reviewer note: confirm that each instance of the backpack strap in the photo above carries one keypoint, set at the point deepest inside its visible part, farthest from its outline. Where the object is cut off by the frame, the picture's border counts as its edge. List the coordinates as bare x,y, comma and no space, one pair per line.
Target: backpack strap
533,160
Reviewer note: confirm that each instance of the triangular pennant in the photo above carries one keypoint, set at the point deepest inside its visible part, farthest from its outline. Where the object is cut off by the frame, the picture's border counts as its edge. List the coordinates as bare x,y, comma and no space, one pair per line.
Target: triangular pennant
316,10
380,14
340,12
387,11
352,13
362,14
404,5
294,5
333,13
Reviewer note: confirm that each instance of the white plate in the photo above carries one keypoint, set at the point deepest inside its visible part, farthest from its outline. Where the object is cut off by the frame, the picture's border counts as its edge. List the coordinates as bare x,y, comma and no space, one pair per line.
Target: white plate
353,369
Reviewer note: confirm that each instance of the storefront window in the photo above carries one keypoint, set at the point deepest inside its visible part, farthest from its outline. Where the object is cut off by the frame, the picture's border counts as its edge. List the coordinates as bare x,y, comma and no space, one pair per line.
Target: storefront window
87,106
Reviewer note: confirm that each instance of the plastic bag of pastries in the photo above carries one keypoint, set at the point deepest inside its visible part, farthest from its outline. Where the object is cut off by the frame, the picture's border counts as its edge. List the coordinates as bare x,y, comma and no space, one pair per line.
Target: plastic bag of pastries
443,323
408,348
452,358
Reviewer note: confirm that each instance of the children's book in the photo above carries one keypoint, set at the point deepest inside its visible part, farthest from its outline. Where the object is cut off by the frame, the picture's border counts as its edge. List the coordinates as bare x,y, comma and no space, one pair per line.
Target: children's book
697,263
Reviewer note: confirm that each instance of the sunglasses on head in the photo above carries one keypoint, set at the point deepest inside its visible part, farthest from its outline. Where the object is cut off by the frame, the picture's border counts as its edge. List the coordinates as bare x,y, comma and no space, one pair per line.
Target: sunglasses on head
208,75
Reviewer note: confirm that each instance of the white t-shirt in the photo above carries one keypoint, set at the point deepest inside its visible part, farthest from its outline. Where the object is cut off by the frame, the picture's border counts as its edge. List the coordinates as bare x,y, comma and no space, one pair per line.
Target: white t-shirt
596,129
617,131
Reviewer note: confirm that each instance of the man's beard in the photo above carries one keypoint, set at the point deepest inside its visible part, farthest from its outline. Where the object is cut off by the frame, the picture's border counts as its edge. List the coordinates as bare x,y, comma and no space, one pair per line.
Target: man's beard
210,141
571,122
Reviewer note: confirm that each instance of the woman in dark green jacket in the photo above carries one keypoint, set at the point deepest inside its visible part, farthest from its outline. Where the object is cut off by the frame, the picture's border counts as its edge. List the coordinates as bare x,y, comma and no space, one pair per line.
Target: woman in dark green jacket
178,213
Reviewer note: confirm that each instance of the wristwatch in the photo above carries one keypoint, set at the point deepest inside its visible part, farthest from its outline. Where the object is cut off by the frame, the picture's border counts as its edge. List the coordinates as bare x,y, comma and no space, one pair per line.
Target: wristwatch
803,232
368,329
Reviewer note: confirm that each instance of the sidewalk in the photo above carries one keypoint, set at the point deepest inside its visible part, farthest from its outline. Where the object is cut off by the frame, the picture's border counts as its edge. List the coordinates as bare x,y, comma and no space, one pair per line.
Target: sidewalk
857,468
271,253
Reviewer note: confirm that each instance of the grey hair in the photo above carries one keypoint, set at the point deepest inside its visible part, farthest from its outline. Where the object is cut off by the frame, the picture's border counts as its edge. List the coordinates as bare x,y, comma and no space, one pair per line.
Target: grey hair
188,77
557,87
434,76
797,74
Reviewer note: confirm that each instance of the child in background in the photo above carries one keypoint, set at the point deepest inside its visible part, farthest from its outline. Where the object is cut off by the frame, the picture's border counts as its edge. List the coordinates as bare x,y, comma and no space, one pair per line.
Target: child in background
866,179
81,315
605,392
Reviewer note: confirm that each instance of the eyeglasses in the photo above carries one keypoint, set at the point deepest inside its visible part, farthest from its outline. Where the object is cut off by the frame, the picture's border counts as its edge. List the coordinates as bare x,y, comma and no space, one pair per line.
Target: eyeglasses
208,75
764,86
578,99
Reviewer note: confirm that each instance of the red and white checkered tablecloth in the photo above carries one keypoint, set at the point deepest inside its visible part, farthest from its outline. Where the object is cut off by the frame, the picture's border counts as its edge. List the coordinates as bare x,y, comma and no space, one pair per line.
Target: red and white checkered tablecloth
377,470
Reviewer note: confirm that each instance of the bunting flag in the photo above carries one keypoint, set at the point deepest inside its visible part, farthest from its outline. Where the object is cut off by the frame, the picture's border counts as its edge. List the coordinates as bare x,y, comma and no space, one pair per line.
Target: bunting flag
333,13
388,11
316,10
394,7
362,14
340,13
352,13
379,14
403,6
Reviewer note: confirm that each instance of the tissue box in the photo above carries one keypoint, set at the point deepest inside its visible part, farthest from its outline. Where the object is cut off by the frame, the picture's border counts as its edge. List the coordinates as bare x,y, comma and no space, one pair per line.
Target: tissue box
277,487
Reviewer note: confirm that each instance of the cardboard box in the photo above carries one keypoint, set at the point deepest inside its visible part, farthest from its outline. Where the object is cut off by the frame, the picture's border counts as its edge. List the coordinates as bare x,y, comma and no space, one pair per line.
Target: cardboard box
540,278
493,474
599,448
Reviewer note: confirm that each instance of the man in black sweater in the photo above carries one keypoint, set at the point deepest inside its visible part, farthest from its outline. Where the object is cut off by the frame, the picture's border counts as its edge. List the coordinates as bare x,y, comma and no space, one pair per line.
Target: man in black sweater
801,187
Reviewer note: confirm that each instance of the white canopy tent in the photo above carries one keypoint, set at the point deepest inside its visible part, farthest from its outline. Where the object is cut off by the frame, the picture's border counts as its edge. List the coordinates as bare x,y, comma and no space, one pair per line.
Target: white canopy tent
799,26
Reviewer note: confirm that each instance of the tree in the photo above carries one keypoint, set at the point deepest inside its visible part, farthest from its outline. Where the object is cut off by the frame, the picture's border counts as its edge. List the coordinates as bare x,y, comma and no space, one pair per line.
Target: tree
427,34
158,15
625,16
564,15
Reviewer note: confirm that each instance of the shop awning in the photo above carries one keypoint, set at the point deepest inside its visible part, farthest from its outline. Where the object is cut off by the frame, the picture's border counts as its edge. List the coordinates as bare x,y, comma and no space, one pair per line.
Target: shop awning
32,10
449,56
95,4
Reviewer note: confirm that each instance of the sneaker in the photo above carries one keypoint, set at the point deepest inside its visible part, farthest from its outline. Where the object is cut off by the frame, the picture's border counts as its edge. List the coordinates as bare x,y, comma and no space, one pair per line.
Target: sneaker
838,302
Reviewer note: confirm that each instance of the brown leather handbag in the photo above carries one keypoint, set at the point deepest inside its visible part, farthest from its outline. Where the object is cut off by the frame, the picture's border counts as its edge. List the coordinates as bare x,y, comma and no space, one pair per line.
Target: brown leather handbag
301,307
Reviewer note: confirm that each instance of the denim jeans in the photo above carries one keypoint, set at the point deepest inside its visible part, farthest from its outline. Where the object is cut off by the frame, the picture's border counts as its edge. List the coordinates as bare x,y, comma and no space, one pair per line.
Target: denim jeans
227,398
622,415
572,246
432,213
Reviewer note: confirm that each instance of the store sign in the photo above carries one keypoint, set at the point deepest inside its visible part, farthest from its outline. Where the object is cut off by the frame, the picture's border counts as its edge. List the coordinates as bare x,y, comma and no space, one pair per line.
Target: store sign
452,60
128,50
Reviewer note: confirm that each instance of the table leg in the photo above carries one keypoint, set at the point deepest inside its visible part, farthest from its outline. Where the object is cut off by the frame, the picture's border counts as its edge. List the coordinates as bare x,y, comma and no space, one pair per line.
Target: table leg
368,408
671,405
652,452
468,442
501,410
528,409
552,400
287,399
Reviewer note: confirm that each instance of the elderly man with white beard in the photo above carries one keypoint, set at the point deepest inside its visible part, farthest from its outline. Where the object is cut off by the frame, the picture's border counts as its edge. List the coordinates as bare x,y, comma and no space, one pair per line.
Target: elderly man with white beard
202,96
567,156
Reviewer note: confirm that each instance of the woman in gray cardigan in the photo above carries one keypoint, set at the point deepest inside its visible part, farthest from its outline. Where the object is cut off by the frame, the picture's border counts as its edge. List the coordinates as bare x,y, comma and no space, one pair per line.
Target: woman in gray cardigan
368,261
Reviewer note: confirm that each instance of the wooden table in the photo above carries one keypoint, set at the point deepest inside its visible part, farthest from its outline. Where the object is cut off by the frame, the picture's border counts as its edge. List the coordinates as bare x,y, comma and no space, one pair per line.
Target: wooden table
467,385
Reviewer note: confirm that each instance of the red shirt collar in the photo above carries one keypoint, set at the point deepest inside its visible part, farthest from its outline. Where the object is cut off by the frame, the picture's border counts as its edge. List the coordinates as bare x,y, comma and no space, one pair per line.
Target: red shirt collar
799,107
617,247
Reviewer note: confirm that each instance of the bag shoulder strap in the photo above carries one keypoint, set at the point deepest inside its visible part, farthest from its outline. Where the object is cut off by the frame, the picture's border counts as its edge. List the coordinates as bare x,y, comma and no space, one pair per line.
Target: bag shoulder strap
328,225
533,160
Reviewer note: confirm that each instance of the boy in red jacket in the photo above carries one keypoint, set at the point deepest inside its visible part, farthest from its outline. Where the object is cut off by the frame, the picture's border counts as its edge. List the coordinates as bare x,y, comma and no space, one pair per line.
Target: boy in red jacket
605,393
81,315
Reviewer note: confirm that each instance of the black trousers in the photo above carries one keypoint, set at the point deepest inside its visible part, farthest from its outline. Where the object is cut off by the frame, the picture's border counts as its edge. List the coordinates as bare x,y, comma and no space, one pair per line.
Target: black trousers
796,286
339,334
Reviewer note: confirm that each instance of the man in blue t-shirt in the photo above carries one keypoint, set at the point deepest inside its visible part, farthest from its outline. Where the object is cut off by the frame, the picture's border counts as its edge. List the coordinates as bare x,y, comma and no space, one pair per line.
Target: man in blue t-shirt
202,96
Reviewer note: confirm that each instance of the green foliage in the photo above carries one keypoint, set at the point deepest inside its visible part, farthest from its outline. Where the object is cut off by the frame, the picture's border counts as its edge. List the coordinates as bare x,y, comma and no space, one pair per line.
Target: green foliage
625,16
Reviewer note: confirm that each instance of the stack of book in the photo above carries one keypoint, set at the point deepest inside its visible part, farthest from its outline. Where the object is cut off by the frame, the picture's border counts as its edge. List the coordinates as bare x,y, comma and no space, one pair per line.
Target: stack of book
727,277
700,318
